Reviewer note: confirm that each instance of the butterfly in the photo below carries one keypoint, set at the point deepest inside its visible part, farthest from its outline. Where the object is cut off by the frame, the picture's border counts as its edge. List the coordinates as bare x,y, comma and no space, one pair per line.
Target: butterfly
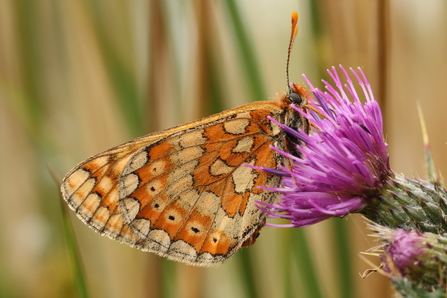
185,193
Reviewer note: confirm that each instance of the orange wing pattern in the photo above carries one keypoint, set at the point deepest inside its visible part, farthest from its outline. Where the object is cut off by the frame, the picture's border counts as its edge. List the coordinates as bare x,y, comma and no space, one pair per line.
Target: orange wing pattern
183,193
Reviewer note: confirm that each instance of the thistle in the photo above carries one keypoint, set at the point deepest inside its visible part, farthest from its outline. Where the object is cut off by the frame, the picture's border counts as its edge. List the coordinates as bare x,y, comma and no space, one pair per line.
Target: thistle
413,260
344,166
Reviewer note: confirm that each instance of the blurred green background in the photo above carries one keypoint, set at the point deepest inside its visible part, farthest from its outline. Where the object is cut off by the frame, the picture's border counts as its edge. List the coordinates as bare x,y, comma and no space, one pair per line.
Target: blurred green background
78,77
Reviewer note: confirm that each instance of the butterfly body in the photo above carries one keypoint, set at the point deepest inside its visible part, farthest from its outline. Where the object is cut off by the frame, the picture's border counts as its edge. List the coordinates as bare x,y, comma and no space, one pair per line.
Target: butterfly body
184,193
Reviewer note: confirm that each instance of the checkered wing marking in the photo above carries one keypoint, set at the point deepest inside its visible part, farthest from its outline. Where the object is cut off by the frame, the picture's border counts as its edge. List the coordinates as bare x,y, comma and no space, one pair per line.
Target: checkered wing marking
91,190
189,196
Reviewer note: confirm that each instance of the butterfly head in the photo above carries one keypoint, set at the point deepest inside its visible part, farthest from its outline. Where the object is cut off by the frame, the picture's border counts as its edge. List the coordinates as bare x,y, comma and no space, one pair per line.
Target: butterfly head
297,95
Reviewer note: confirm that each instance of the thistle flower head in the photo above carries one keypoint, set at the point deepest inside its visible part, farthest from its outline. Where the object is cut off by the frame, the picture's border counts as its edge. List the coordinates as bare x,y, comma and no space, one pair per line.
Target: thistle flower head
405,248
343,162
419,257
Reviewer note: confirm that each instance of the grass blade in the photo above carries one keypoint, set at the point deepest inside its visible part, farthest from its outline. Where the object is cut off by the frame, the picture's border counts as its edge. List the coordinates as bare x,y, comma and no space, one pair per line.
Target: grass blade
72,245
248,54
303,257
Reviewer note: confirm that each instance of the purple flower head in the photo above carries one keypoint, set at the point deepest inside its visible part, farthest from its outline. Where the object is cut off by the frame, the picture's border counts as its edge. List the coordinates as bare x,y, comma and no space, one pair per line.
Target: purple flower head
420,257
405,249
343,162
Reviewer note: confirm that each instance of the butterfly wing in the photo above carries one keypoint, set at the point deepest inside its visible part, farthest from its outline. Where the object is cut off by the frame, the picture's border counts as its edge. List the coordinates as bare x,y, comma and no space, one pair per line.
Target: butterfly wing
91,189
183,193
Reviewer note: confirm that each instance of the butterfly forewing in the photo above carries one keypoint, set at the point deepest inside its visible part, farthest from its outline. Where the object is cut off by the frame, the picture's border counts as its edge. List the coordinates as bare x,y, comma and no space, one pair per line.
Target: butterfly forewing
183,193
91,189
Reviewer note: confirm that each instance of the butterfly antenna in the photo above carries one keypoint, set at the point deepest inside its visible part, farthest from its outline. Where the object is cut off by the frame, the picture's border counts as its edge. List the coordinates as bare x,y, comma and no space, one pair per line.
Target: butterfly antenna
292,39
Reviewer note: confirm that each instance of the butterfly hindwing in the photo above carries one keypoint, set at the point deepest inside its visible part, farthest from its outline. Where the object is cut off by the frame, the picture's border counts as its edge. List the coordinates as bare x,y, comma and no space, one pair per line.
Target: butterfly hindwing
190,194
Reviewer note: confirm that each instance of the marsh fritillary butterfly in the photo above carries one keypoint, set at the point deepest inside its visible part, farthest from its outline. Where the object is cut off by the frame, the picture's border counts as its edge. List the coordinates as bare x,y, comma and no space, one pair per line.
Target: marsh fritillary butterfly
184,193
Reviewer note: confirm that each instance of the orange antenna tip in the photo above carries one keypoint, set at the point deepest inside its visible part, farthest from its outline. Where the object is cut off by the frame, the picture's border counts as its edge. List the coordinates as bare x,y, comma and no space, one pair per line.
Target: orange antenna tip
294,23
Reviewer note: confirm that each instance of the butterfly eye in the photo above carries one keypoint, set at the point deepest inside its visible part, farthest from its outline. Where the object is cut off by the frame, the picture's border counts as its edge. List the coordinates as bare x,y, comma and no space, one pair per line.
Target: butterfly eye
295,98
